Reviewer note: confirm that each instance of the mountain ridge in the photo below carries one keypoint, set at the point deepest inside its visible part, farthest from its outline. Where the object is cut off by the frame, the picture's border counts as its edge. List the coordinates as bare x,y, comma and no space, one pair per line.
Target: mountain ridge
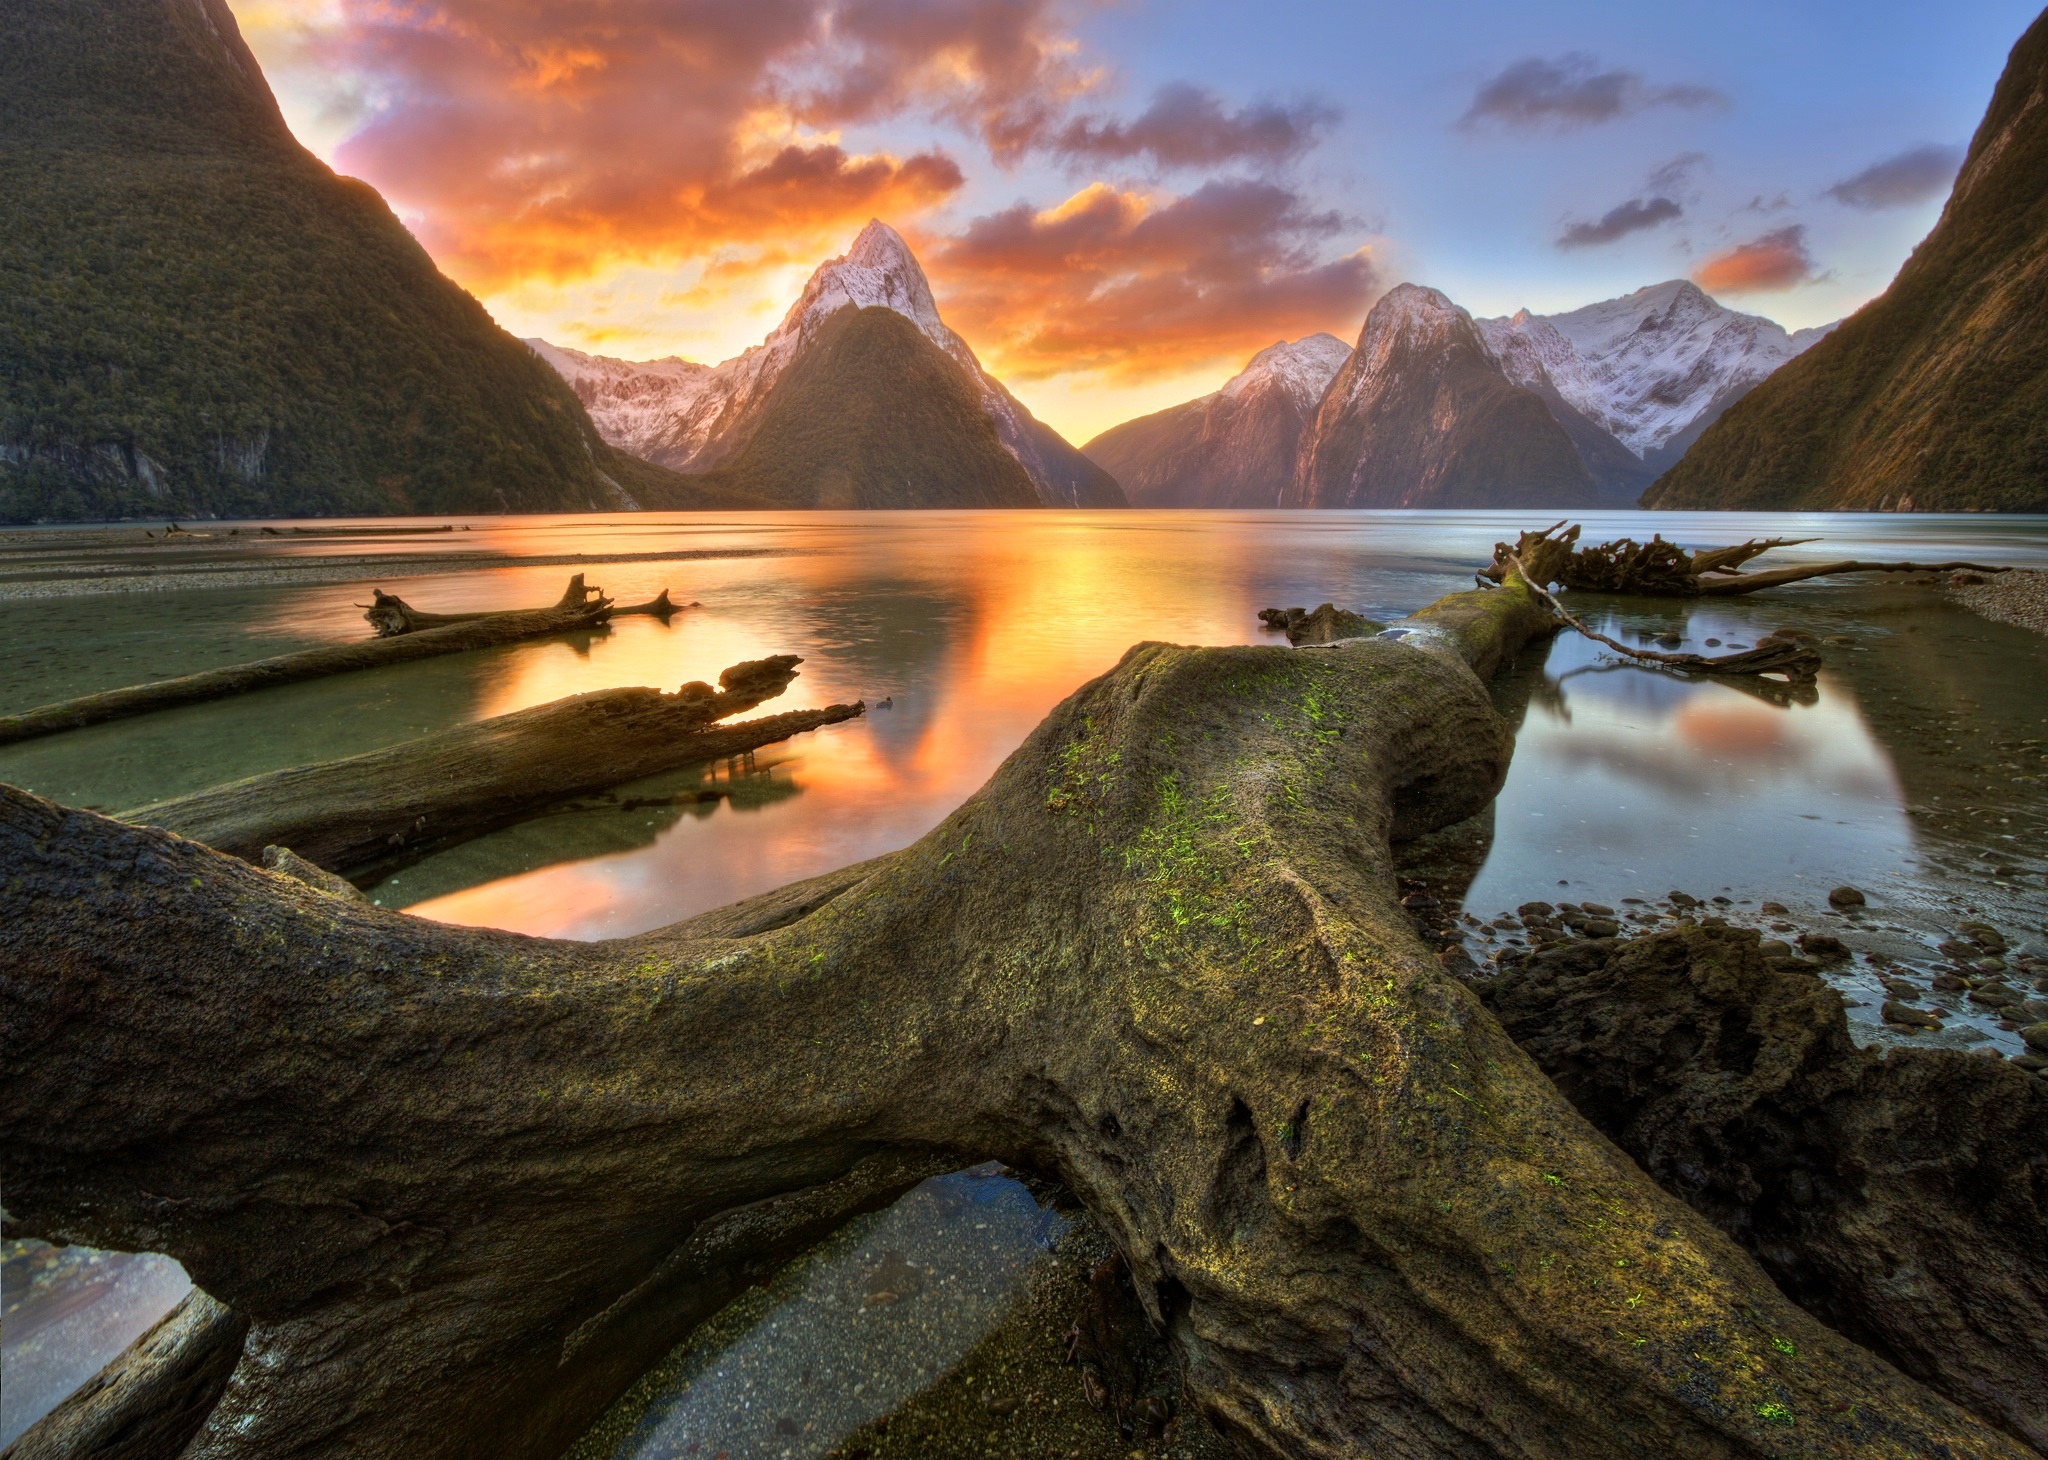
1234,447
1422,415
1933,396
1631,381
693,418
206,320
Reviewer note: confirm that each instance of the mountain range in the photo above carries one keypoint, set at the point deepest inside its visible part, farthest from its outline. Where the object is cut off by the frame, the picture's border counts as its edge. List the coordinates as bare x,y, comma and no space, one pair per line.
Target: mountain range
1232,448
1436,408
702,418
202,318
1933,396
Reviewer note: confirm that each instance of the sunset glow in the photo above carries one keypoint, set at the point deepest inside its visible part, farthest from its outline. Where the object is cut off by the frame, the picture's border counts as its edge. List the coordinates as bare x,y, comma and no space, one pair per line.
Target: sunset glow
1116,205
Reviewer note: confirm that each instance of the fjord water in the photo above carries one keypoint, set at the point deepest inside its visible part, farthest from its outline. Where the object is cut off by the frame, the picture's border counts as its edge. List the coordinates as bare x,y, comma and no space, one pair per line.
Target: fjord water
1914,769
962,629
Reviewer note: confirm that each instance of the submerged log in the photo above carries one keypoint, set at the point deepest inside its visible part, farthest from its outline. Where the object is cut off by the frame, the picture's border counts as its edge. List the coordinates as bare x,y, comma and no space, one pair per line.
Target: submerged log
464,633
454,1176
346,814
1901,1197
1661,569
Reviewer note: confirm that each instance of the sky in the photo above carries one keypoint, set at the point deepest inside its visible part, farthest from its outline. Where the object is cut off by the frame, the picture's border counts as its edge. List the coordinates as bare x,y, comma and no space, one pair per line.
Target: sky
1119,201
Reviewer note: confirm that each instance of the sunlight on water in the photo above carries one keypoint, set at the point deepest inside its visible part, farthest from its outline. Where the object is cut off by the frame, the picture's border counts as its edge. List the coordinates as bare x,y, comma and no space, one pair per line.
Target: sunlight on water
971,626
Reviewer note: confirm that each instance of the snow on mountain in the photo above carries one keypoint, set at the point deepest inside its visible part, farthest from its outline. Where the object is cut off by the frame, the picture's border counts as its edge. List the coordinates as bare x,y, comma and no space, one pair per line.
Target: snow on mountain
1233,447
1651,368
1423,415
1302,368
694,417
629,401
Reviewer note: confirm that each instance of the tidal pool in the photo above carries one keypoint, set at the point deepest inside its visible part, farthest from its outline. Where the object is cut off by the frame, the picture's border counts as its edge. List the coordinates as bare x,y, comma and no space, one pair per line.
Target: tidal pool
1915,769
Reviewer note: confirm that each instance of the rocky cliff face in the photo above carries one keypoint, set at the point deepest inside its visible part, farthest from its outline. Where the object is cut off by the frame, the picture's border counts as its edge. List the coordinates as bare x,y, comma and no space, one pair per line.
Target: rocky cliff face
1233,448
1934,396
1422,415
694,418
203,319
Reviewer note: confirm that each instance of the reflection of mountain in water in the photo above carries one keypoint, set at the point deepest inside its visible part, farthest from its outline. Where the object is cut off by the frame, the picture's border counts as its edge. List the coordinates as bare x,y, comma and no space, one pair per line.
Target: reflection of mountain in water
623,819
895,640
1955,701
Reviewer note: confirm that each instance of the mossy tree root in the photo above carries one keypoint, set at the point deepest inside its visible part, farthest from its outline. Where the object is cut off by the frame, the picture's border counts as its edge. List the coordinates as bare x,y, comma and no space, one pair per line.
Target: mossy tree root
346,814
463,1183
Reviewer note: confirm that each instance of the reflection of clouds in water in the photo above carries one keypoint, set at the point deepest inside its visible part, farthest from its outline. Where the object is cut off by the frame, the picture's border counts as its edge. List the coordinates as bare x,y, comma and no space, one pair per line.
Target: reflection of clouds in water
1635,781
977,624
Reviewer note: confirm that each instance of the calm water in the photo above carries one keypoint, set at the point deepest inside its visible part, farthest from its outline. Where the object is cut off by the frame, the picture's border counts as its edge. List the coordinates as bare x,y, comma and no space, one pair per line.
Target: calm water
1914,770
973,625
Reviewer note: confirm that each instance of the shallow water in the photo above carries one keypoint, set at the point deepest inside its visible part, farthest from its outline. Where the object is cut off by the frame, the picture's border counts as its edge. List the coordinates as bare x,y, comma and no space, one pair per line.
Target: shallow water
1915,769
974,625
859,1325
65,1313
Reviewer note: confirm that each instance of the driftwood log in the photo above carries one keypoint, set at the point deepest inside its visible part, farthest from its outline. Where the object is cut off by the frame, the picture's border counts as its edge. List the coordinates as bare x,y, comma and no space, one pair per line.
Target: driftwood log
464,632
1783,653
345,815
465,1184
1661,569
392,617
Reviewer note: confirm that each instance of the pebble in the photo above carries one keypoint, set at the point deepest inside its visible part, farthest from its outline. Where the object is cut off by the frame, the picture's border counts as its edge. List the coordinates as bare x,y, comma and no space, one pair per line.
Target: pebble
2019,597
2036,1037
1846,897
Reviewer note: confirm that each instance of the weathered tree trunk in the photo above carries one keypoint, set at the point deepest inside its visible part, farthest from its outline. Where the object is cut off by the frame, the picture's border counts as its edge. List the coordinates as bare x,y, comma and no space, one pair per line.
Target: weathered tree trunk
1661,569
455,1176
466,632
457,783
1901,1197
148,1403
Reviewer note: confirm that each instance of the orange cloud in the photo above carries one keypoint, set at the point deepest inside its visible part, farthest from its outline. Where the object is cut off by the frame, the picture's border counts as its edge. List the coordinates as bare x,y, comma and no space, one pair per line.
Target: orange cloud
1778,260
1118,282
550,138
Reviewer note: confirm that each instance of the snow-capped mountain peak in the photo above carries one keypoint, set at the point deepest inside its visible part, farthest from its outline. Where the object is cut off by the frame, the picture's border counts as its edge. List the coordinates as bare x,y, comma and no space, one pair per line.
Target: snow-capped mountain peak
1302,368
694,417
1646,367
630,401
1410,321
878,272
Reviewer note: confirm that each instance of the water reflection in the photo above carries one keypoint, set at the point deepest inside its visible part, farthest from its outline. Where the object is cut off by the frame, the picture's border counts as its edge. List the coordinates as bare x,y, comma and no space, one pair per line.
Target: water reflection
65,1314
974,625
1629,781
